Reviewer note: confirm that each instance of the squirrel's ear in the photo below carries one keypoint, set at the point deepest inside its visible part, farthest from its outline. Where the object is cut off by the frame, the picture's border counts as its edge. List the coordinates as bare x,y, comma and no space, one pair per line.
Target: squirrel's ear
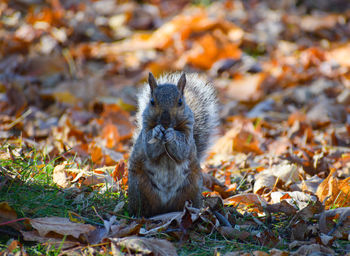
181,84
152,81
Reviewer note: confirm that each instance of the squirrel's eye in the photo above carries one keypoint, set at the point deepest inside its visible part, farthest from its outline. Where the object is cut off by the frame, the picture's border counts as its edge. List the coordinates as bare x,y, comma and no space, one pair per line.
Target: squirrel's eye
179,102
152,101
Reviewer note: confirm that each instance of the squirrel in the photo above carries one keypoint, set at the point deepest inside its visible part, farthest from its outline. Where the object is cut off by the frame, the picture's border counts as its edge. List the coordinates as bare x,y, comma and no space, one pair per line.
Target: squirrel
176,121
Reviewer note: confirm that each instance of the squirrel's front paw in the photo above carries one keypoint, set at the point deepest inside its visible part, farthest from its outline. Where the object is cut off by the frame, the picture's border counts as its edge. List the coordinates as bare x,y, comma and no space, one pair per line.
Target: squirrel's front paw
158,132
169,135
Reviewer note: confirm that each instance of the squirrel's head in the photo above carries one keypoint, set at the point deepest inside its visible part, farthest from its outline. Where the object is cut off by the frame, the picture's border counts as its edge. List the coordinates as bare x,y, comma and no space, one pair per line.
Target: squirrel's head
167,101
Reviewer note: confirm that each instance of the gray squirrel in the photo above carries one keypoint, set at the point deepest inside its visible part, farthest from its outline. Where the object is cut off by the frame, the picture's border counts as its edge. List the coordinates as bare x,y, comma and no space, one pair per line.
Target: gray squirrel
176,120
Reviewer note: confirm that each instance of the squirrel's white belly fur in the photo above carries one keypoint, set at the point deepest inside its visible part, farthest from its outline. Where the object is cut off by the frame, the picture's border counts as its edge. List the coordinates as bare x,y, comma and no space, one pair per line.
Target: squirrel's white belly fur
168,177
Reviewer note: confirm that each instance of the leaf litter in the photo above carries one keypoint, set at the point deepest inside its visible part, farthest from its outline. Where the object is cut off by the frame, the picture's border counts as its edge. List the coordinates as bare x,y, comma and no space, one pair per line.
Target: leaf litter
277,176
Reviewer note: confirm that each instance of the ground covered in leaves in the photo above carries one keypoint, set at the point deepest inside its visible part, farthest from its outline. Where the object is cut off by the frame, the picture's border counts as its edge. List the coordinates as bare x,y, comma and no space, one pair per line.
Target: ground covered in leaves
278,176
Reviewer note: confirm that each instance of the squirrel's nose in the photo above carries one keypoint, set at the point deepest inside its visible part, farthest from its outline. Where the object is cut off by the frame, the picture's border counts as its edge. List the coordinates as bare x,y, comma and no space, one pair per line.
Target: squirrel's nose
165,119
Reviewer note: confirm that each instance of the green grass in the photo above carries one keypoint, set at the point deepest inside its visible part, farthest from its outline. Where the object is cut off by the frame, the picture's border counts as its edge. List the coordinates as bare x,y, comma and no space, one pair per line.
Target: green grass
29,190
215,241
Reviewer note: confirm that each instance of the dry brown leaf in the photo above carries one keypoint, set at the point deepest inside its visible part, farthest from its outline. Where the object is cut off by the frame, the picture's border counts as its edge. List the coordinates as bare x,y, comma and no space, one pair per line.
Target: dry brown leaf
340,227
182,26
243,137
143,245
97,176
60,176
281,207
119,171
110,135
276,252
123,231
341,55
299,230
233,233
119,207
312,23
287,173
300,199
264,183
335,190
60,226
246,88
248,199
64,175
326,240
311,184
207,50
52,239
268,238
6,212
310,210
306,250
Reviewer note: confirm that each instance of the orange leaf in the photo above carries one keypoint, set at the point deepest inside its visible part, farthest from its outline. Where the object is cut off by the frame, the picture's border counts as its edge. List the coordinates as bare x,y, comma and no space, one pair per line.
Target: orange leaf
110,135
337,191
119,171
246,88
248,199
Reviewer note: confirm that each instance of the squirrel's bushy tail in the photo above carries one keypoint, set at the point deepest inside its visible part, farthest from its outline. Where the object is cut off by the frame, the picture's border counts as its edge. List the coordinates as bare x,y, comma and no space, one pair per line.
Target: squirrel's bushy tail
200,96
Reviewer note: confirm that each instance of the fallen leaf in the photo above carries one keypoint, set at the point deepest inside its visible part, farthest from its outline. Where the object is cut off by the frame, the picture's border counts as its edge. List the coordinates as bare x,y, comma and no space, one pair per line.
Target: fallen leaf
247,88
300,199
60,176
60,226
326,240
143,245
335,191
312,23
6,212
283,206
125,230
52,239
233,233
268,238
299,230
248,199
110,135
243,137
340,55
306,250
336,222
264,183
119,207
311,184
